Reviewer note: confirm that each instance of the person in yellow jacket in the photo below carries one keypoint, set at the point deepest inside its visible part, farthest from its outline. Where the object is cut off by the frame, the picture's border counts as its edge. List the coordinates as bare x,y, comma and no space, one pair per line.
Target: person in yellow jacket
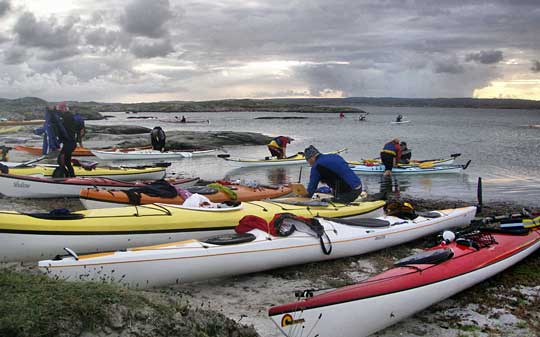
278,146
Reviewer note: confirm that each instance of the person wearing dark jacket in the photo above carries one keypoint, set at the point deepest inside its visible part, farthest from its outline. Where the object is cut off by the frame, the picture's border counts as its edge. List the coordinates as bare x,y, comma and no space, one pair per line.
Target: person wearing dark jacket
406,153
390,155
67,134
158,138
334,171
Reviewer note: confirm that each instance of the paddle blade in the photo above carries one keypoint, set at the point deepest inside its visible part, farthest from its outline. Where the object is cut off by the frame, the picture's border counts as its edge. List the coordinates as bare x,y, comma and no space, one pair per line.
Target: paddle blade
299,189
428,164
223,155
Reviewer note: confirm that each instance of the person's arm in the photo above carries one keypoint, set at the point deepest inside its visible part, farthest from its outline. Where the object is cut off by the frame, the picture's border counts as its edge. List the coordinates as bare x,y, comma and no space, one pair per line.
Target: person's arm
314,178
398,154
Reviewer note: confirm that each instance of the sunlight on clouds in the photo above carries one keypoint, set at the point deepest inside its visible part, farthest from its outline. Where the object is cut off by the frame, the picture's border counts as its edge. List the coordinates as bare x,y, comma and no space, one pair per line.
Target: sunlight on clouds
520,89
150,67
275,68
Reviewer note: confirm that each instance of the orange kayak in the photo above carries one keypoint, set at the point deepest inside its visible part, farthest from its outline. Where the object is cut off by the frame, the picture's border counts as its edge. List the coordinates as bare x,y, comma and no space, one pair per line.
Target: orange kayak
79,151
93,198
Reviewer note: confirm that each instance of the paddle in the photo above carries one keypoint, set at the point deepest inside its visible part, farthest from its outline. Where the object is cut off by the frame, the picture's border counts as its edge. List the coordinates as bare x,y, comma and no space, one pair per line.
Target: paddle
224,155
455,155
26,163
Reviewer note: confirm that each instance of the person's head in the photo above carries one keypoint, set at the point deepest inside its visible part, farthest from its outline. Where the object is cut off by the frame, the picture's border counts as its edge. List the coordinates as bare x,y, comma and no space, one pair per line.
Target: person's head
62,106
290,140
311,154
403,144
395,140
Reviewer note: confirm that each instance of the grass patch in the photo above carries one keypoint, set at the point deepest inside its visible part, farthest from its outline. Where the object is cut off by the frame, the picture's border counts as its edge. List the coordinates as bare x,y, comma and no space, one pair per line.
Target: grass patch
34,305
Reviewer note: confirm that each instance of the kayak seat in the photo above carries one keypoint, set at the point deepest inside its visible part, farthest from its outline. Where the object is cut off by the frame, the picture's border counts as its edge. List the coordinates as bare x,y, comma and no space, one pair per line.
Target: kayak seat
371,223
56,214
202,190
230,239
428,257
511,231
430,214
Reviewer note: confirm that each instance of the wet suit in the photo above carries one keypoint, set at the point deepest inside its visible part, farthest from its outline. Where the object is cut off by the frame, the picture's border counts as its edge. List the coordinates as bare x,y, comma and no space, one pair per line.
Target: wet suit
67,133
334,171
158,137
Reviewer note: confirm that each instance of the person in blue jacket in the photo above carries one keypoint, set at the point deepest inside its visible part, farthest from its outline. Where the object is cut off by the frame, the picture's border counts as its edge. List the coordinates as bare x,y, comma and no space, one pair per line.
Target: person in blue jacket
334,171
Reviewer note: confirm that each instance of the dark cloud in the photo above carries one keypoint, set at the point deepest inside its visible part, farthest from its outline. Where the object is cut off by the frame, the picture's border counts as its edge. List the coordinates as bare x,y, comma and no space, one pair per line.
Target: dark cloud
45,34
14,55
5,6
485,56
149,49
536,66
147,18
448,67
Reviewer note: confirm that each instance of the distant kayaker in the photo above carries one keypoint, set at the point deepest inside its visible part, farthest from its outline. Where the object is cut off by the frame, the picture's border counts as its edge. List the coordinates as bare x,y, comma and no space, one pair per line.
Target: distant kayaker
183,120
158,137
67,134
278,146
399,118
341,115
334,171
390,155
406,153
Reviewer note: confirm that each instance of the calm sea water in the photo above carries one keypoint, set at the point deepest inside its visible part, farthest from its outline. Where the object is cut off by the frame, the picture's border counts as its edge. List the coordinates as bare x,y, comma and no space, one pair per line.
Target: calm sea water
500,143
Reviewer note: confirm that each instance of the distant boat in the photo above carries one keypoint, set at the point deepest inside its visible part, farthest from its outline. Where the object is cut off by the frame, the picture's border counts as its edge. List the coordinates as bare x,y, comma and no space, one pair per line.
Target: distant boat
401,122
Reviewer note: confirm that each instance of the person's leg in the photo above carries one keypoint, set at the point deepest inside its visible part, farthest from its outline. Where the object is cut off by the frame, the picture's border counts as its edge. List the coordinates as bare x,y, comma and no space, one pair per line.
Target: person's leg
388,162
347,197
274,152
67,160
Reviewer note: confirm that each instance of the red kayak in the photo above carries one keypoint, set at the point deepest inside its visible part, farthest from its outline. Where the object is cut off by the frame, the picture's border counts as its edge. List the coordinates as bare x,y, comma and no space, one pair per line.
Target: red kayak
413,285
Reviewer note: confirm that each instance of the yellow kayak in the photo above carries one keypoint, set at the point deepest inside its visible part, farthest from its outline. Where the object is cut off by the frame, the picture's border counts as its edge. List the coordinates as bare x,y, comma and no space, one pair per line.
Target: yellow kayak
43,235
119,173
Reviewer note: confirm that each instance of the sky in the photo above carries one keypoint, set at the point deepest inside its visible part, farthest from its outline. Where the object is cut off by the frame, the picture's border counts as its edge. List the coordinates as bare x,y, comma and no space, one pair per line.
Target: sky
161,50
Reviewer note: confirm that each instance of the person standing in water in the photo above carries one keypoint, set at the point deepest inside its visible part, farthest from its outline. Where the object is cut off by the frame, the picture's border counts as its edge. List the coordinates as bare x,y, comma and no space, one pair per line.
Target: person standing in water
390,155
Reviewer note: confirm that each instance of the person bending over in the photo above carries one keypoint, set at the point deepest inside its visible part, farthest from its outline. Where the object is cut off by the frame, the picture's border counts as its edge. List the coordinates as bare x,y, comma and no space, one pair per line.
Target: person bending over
390,155
278,146
334,171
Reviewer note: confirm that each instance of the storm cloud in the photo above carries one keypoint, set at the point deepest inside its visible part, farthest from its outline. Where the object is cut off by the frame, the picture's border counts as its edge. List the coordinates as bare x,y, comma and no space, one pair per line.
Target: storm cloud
486,56
138,50
147,18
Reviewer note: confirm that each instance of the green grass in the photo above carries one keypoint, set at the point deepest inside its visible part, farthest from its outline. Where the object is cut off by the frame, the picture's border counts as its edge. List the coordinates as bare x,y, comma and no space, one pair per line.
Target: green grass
34,305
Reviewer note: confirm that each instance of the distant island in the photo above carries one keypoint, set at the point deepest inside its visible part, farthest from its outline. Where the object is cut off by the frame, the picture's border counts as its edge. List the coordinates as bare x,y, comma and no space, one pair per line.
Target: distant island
32,107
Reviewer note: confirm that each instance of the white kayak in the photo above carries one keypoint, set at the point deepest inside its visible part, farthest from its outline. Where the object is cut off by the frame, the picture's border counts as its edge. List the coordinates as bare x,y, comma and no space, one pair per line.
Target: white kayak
149,154
401,122
256,250
297,159
379,169
20,186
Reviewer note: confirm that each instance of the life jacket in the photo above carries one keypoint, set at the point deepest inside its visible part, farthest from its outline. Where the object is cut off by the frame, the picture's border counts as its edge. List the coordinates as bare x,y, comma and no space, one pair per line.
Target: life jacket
390,148
280,142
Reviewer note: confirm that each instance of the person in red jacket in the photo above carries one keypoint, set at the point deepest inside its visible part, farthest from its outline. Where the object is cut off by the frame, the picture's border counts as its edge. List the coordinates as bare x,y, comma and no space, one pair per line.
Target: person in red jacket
390,155
278,146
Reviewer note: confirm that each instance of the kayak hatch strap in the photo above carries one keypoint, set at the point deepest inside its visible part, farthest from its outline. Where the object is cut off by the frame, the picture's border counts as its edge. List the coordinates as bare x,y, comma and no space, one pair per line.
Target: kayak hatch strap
163,208
255,204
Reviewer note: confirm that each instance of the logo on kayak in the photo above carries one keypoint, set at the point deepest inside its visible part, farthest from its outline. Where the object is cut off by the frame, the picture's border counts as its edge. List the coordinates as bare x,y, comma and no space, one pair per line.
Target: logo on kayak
380,237
19,184
287,320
